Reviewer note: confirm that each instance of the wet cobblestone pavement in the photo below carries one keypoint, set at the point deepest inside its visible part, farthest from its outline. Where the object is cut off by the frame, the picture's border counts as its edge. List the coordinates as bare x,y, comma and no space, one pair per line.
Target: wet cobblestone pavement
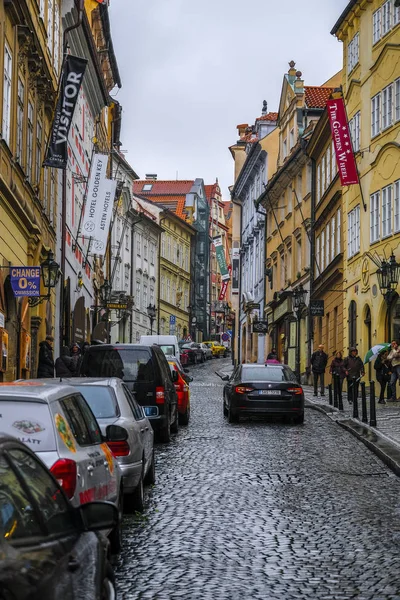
262,510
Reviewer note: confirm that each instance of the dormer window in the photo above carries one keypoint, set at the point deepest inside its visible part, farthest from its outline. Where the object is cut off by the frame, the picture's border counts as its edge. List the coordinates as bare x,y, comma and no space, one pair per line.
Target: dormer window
147,187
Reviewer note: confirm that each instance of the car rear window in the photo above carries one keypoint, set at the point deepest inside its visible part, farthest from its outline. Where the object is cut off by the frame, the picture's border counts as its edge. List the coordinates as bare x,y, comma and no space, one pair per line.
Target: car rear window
128,364
264,374
101,400
168,350
30,422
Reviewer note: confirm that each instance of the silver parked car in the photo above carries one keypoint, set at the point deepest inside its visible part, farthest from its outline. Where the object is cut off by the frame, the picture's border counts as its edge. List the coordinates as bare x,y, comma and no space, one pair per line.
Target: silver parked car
113,404
206,351
55,421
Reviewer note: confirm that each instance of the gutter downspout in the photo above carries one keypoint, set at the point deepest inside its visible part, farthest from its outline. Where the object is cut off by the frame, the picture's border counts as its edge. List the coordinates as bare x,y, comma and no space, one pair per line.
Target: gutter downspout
310,333
62,340
239,329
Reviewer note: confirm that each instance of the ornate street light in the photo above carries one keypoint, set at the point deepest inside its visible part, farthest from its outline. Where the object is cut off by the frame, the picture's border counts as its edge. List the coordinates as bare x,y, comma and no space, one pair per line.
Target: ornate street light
299,302
50,276
105,289
151,313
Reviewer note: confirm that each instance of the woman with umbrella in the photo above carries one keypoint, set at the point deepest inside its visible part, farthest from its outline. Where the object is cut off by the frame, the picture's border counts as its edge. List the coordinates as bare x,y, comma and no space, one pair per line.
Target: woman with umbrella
383,373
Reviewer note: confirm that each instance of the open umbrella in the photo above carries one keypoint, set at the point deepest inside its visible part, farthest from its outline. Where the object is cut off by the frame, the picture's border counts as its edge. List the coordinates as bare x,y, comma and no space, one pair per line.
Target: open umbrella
375,350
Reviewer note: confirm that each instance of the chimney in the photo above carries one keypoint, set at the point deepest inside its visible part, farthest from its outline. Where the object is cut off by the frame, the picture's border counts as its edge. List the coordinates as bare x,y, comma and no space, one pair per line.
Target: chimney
242,128
299,83
151,176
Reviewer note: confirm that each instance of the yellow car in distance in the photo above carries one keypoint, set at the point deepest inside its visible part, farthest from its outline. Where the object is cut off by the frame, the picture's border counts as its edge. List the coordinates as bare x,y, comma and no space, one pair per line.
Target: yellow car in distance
216,349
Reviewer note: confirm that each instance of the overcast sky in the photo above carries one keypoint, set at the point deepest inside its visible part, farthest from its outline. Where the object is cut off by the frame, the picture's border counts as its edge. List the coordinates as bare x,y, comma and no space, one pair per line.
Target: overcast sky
192,70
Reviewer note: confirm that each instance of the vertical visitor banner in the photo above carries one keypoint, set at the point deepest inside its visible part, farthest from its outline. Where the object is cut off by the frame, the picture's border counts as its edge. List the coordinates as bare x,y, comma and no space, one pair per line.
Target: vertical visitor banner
235,270
70,85
221,260
342,142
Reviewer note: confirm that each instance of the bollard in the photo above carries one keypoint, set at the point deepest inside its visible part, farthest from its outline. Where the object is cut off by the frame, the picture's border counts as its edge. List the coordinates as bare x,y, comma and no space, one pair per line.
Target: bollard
340,397
330,393
335,392
372,406
364,416
355,399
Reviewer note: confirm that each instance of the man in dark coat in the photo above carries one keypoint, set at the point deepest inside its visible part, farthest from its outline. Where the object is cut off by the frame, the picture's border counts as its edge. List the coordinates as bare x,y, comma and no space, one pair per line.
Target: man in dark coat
64,364
319,360
46,360
354,368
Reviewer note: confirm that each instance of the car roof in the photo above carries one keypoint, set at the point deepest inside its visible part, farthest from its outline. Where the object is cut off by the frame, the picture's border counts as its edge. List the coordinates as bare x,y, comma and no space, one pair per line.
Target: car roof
35,391
258,366
99,347
74,381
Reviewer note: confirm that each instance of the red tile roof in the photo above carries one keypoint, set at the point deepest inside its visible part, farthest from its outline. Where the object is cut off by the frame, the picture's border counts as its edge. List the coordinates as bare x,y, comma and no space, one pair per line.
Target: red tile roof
162,188
175,203
317,96
271,116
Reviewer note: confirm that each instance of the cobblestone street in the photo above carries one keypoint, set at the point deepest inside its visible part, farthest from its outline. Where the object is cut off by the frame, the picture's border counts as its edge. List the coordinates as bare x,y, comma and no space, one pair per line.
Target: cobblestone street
263,511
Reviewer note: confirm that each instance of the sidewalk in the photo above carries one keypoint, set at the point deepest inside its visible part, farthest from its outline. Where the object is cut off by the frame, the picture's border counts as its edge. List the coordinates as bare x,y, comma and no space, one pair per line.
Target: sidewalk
384,439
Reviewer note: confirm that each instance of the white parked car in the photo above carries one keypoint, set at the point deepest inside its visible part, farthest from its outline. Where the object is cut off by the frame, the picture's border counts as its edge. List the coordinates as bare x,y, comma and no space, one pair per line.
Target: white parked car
55,421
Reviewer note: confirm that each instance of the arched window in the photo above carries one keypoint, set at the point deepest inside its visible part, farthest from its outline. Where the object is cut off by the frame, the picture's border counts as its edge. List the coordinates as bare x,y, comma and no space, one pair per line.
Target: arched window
352,324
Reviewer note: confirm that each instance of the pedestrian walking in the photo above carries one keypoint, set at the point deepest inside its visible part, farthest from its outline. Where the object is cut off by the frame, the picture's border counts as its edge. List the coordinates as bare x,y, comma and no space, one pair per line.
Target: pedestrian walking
354,371
273,355
46,360
319,360
338,370
64,364
383,373
394,358
76,358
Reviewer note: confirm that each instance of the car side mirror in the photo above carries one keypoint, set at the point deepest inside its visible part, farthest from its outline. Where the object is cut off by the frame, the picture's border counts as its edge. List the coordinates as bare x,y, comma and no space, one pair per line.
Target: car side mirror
225,377
186,370
175,376
115,433
189,378
98,516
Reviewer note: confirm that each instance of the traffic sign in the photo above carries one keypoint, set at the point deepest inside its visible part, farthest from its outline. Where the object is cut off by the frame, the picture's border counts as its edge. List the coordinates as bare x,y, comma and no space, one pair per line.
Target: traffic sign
225,337
25,281
172,319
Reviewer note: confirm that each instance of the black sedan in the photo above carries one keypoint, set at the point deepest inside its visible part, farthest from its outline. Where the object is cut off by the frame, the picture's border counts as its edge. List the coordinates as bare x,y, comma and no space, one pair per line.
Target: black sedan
263,390
48,548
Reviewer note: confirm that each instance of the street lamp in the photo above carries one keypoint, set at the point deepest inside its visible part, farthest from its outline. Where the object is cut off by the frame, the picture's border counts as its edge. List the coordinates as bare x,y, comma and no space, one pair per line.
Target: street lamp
388,276
299,297
50,276
151,312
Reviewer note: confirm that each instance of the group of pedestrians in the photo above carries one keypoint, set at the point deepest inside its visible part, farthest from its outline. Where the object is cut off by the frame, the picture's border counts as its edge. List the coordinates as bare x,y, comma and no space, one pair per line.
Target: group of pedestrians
67,364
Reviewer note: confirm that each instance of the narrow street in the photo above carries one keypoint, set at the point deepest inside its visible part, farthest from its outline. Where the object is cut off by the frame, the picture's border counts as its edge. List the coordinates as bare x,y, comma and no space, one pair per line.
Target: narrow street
263,511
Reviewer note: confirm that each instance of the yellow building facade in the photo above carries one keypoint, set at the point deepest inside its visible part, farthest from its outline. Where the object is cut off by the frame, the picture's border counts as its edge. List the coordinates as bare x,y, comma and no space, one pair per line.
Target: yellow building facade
30,60
370,32
174,276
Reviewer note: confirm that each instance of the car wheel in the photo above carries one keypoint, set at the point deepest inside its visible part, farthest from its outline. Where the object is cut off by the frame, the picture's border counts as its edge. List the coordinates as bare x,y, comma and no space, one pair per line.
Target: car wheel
108,587
164,434
175,424
150,478
115,536
233,416
184,418
137,498
298,419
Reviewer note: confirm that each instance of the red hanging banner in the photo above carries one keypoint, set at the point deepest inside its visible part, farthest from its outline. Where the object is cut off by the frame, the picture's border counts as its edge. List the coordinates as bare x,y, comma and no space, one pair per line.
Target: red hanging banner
342,141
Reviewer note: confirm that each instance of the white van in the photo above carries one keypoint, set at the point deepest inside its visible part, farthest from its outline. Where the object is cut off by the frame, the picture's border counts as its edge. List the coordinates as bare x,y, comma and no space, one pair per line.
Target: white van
167,343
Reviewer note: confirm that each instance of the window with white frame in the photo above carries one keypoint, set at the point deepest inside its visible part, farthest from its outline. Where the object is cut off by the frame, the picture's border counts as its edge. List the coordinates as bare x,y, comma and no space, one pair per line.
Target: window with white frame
387,106
284,148
45,186
318,182
138,302
291,138
7,86
375,115
152,298
145,296
56,61
322,261
397,99
50,21
168,298
53,194
20,120
354,125
353,232
333,161
374,217
139,244
376,26
397,206
387,211
163,245
396,15
29,142
353,52
333,237
298,255
39,137
41,9
338,232
386,17
318,254
327,245
162,287
152,249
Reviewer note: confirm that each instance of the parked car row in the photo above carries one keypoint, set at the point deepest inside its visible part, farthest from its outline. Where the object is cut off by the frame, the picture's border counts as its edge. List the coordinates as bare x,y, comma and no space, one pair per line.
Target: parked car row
90,439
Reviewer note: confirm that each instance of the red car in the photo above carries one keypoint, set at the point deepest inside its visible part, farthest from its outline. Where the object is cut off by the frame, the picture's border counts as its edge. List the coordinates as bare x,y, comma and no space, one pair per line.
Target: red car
182,391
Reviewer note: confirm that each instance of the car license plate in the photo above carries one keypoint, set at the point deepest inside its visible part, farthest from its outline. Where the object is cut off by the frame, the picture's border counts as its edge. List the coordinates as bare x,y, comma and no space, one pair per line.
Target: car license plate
269,392
151,411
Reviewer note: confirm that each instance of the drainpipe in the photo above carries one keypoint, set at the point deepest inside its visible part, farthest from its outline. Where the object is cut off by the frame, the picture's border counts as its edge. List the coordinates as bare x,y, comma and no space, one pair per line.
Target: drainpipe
77,23
310,333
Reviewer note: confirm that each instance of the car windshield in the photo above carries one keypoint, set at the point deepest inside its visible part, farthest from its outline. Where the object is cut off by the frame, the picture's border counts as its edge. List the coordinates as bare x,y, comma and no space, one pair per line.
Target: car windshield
264,374
187,346
30,422
129,364
168,350
101,400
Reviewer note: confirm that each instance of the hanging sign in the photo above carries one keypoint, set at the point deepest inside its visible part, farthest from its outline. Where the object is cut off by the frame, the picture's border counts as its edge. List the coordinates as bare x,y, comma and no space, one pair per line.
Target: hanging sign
70,85
342,142
25,281
105,214
235,270
224,287
317,308
221,260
